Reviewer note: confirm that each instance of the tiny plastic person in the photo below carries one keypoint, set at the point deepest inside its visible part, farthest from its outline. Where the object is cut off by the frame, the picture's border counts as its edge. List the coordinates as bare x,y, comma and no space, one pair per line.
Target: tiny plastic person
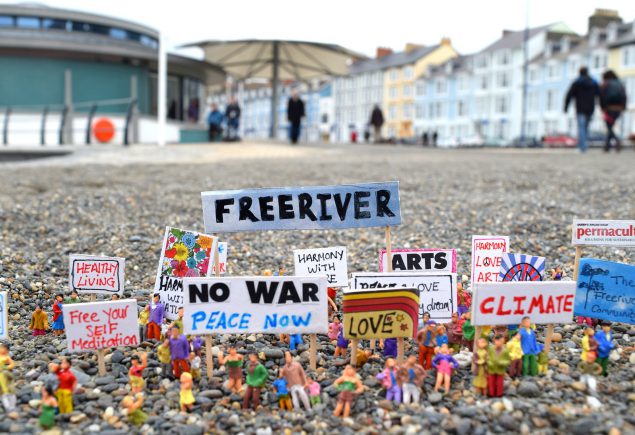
441,336
349,386
115,297
427,341
497,362
389,381
73,299
6,384
48,408
605,346
479,366
195,365
589,369
157,312
138,365
144,315
58,318
543,362
163,353
444,363
256,378
516,356
294,341
39,321
334,329
186,397
133,406
363,356
390,348
411,375
530,346
556,274
455,332
282,394
179,352
314,391
341,345
179,321
464,299
589,343
468,330
66,385
233,362
293,372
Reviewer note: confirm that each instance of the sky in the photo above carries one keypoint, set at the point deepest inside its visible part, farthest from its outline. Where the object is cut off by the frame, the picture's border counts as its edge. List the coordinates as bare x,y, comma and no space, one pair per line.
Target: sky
359,25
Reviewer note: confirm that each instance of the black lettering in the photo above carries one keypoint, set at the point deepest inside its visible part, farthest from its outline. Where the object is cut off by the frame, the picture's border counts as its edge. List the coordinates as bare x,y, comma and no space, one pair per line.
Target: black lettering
262,291
413,261
221,208
197,294
427,256
387,325
284,208
383,197
323,197
288,293
266,208
342,208
305,202
363,324
359,204
216,288
244,204
309,292
441,261
397,263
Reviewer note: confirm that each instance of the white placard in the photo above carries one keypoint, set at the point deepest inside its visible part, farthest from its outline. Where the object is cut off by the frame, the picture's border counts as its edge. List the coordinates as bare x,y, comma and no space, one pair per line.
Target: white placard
4,315
487,252
222,259
329,262
603,232
91,274
419,260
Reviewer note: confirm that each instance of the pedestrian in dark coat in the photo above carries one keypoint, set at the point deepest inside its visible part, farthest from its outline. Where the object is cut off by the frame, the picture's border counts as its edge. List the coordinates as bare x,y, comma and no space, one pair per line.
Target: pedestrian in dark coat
295,113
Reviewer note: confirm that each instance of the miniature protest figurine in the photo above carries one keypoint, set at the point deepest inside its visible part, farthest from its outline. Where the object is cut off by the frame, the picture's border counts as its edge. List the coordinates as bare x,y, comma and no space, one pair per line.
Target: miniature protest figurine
334,329
501,330
349,386
186,397
543,362
389,346
233,362
66,385
144,316
556,273
363,356
516,356
479,366
73,299
341,345
464,299
48,408
589,369
282,393
39,321
179,320
293,372
256,378
389,381
163,353
6,380
589,343
157,311
115,297
314,391
441,336
445,364
468,331
425,318
427,341
195,366
455,332
530,346
133,406
139,363
197,344
179,352
58,318
294,341
332,307
411,376
604,339
497,362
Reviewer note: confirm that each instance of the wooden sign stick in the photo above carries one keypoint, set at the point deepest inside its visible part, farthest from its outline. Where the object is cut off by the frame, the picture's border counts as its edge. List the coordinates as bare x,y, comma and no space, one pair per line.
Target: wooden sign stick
93,297
313,352
354,353
101,362
209,360
400,341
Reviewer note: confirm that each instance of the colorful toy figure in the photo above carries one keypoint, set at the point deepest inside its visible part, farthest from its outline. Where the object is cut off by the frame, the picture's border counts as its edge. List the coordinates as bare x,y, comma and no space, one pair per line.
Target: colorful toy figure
363,356
256,378
589,343
186,398
157,311
441,337
468,331
233,362
66,385
294,341
479,366
530,346
444,363
144,315
543,362
464,299
411,376
331,293
556,274
133,406
389,381
589,369
349,386
139,363
179,321
163,353
427,342
179,352
605,346
197,344
115,297
334,328
293,372
455,332
58,318
314,391
516,356
39,321
390,348
341,345
6,380
497,362
48,408
282,393
195,365
73,299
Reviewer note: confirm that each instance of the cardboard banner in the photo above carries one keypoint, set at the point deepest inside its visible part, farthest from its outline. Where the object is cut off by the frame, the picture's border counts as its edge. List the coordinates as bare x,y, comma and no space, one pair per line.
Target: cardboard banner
4,316
380,314
606,290
419,260
506,303
603,232
222,259
487,252
437,291
521,267
302,208
255,304
90,274
329,262
184,253
101,325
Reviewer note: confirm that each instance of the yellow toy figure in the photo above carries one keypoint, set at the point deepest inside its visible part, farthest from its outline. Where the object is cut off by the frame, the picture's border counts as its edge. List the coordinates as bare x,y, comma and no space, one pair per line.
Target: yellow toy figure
516,355
543,363
139,363
133,405
144,316
589,343
479,366
178,322
6,380
186,399
165,358
39,321
195,365
66,385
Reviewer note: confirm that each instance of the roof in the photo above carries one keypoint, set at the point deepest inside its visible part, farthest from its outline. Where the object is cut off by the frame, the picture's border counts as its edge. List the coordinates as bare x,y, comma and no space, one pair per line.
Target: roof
514,38
628,38
392,60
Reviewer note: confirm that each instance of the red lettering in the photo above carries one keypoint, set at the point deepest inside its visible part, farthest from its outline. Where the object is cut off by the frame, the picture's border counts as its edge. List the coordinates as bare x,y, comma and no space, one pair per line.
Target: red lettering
568,303
587,231
80,317
550,308
580,232
484,309
519,300
500,311
559,299
536,302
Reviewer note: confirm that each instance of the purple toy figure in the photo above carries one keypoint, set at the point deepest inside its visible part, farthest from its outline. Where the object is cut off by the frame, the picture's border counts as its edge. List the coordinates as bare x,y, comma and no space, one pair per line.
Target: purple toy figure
342,343
444,363
390,382
390,348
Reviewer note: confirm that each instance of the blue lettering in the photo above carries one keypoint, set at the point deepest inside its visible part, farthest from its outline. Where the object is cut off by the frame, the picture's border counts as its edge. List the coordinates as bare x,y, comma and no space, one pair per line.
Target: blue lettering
284,321
271,319
212,319
299,321
222,322
244,321
231,322
199,316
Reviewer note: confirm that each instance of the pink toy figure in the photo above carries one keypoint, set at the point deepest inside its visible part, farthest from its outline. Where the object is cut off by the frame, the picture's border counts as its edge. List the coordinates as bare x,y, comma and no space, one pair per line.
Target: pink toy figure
444,363
390,382
314,391
334,328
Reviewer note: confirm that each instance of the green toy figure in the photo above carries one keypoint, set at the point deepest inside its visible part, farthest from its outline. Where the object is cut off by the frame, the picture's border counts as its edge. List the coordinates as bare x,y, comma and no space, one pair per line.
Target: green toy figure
133,407
589,369
48,409
543,363
256,378
498,360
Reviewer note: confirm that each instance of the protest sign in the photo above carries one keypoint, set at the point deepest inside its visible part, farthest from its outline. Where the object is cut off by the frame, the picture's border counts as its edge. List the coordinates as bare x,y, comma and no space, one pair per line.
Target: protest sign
302,208
603,232
380,314
255,304
101,325
486,257
506,303
606,290
4,316
329,262
184,253
521,267
90,274
437,291
222,259
419,260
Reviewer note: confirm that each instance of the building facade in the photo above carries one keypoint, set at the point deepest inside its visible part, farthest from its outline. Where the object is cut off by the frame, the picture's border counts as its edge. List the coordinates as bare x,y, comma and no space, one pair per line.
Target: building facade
622,61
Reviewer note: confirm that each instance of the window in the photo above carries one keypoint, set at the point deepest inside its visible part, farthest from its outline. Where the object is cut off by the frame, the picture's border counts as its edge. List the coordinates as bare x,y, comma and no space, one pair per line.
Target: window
551,102
420,109
52,23
117,33
533,75
431,110
421,88
484,82
532,101
7,21
481,62
408,72
407,111
574,66
28,22
501,105
461,83
394,74
438,110
504,57
442,86
393,92
407,91
150,42
552,71
392,112
502,79
628,56
461,108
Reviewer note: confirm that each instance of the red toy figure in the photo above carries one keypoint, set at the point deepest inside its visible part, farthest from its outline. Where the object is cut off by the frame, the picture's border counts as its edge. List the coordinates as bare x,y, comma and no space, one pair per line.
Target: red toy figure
497,362
455,332
58,318
66,385
427,341
179,352
349,386
139,363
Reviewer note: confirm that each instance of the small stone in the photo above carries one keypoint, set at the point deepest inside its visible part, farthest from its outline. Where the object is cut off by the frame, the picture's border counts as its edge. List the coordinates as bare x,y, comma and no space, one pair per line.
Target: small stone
539,422
578,386
556,337
77,418
528,389
631,358
435,397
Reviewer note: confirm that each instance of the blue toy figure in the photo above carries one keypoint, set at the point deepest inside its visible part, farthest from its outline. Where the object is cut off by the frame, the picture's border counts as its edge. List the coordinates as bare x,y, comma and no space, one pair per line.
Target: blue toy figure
605,345
294,340
282,394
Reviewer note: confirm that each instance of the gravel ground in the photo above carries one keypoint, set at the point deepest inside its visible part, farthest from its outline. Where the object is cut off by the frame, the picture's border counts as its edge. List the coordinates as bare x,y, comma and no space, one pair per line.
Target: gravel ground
115,201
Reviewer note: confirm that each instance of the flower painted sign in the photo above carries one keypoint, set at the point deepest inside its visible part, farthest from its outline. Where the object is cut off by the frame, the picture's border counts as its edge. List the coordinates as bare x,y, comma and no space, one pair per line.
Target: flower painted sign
184,254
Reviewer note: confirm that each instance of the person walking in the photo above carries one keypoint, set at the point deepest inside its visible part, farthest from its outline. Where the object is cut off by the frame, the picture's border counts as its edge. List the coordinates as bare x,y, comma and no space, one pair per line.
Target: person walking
584,90
215,123
613,103
377,121
232,114
295,113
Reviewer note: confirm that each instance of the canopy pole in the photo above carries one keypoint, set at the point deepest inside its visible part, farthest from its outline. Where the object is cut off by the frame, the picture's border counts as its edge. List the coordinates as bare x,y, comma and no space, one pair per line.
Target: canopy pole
275,65
162,90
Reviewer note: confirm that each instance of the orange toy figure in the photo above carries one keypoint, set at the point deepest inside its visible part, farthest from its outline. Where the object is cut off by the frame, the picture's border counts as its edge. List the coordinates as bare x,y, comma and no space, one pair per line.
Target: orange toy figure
349,387
39,321
234,363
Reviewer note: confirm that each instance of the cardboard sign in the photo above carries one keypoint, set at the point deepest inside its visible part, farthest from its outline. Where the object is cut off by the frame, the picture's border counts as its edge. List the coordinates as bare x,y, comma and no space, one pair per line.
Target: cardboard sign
437,291
487,252
506,303
255,304
380,314
603,232
419,260
329,262
521,267
4,316
606,290
184,253
302,208
101,325
222,259
99,275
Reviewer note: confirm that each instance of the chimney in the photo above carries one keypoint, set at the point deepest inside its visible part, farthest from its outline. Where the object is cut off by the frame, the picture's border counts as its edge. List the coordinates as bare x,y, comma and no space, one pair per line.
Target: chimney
383,51
507,32
446,41
603,17
412,46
